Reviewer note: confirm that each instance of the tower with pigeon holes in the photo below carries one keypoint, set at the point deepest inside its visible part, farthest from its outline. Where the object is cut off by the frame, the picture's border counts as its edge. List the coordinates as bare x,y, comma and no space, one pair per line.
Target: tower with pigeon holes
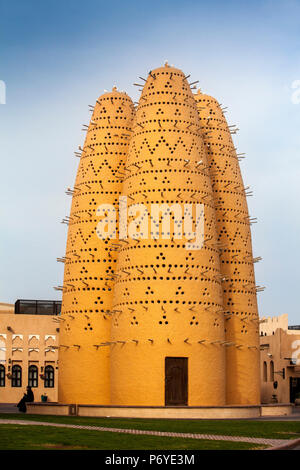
149,319
90,262
235,252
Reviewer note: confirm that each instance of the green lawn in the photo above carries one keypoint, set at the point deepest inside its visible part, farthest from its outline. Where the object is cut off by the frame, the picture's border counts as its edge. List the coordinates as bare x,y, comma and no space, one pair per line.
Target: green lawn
20,437
107,440
250,428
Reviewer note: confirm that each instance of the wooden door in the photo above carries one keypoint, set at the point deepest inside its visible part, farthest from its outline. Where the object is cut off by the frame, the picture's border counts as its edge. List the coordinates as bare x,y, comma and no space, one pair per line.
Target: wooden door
176,381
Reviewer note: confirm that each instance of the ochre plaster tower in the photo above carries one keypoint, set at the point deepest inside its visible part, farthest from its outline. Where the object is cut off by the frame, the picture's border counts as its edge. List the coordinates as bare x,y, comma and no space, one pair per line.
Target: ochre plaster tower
168,300
90,262
155,316
234,236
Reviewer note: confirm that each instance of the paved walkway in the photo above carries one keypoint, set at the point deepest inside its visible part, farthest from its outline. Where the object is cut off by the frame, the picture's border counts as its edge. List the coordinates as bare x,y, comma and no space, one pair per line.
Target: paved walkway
210,437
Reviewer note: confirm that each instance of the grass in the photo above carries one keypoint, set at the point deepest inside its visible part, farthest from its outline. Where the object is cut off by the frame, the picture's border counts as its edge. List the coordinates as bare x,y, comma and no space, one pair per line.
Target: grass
20,437
250,428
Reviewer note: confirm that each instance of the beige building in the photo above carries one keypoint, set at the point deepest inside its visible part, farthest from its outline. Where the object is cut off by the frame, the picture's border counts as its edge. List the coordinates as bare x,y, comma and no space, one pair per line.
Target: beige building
280,360
28,350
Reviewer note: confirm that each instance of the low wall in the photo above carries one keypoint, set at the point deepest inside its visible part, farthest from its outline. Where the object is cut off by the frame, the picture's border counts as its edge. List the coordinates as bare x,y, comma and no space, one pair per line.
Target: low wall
170,412
284,409
51,409
209,412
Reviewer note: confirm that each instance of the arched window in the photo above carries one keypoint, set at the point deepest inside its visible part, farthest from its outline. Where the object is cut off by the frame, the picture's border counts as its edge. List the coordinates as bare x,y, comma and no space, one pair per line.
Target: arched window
272,371
33,376
49,377
16,376
2,376
265,372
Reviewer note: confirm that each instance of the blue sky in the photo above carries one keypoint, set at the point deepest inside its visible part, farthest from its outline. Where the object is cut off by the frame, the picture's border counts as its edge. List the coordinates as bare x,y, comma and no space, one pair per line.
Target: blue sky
56,57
